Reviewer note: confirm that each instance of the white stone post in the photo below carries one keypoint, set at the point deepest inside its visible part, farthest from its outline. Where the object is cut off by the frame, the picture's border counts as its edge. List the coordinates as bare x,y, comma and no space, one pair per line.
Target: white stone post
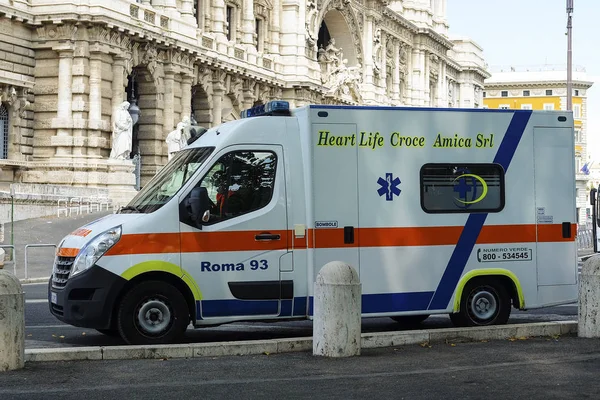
588,325
337,311
169,99
12,321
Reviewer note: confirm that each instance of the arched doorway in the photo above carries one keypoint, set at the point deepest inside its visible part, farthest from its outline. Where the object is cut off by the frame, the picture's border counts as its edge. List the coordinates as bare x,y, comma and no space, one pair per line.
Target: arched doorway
334,26
201,109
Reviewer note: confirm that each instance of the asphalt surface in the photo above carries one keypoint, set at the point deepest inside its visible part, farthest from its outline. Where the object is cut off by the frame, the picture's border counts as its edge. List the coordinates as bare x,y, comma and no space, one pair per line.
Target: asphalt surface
48,230
43,330
525,368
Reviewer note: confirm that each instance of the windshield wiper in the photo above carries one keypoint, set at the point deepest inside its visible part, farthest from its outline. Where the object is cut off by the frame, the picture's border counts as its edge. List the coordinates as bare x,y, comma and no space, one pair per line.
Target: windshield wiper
130,208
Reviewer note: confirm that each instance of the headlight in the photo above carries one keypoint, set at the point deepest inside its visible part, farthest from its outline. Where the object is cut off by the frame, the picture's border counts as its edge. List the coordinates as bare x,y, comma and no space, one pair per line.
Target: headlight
95,249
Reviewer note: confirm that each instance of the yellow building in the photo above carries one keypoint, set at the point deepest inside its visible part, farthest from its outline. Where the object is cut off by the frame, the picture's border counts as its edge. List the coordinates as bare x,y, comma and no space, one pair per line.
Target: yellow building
545,88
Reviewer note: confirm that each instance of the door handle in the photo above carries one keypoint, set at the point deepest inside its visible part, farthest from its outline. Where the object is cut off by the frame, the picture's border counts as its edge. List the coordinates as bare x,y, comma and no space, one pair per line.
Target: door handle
267,236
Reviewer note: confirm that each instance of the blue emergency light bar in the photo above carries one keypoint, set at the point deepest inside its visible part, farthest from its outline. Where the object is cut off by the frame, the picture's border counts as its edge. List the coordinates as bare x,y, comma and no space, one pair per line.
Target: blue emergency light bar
275,107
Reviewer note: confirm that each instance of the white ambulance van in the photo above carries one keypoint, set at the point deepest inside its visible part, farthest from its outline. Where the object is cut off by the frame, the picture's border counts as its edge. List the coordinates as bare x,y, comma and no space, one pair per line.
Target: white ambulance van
467,212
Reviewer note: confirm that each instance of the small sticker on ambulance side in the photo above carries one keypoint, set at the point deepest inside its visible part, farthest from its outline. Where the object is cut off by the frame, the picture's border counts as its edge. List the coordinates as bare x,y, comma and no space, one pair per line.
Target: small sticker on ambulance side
326,224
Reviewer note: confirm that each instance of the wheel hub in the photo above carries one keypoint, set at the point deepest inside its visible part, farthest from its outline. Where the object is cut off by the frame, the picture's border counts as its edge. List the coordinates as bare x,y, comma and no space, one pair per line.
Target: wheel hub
154,316
483,305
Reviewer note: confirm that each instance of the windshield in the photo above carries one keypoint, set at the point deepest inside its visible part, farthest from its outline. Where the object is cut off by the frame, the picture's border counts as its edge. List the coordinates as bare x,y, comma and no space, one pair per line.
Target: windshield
168,181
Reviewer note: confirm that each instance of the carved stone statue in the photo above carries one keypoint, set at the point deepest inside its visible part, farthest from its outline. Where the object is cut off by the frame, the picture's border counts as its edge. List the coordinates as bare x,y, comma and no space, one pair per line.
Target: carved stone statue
122,133
177,139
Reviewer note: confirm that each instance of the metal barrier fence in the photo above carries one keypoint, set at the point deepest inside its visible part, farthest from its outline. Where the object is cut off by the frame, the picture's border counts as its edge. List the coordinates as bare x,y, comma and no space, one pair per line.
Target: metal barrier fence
585,241
27,247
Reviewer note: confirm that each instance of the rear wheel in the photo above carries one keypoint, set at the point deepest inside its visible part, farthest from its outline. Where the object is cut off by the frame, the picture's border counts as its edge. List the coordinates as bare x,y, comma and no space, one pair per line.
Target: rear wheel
410,320
153,313
483,302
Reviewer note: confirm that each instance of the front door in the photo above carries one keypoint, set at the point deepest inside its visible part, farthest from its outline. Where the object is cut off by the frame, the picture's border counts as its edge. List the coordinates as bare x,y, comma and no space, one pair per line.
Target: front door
233,253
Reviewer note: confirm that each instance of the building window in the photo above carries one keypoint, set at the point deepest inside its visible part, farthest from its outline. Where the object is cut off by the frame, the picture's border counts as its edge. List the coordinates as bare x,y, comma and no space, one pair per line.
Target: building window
549,92
576,92
504,93
462,188
230,22
3,131
526,107
504,106
548,106
483,94
578,136
526,93
576,110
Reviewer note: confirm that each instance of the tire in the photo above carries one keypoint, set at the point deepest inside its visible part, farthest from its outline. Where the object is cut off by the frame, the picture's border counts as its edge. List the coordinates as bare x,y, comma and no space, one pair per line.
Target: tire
410,320
483,302
153,313
109,332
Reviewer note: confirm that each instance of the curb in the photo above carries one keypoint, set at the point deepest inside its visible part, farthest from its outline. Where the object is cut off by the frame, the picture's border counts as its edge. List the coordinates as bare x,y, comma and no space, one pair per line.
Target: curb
34,280
275,346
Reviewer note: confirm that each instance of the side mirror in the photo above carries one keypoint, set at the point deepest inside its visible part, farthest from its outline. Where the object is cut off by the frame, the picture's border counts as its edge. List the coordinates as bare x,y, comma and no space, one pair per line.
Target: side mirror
200,205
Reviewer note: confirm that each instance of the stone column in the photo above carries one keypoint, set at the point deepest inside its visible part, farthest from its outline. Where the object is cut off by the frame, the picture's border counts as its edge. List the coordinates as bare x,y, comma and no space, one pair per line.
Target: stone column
368,41
275,26
95,105
289,36
248,23
383,76
218,16
186,96
218,91
169,99
118,84
64,108
426,89
417,69
396,73
187,11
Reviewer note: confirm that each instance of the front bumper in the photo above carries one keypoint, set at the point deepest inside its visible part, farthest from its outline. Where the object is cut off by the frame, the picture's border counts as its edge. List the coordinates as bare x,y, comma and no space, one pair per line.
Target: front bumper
88,299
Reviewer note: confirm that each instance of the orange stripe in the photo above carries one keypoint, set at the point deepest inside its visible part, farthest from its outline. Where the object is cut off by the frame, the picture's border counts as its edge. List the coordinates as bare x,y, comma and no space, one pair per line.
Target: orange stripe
146,243
331,238
231,241
67,252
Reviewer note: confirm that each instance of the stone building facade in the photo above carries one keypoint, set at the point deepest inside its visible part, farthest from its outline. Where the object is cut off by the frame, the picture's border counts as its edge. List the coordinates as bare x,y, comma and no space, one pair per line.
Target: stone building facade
65,67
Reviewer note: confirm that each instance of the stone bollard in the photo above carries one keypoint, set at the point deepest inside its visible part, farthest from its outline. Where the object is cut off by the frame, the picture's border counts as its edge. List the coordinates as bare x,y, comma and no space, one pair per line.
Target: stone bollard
588,325
12,322
337,311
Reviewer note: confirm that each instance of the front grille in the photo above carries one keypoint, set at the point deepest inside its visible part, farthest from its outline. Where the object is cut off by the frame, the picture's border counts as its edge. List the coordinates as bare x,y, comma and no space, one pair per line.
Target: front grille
62,268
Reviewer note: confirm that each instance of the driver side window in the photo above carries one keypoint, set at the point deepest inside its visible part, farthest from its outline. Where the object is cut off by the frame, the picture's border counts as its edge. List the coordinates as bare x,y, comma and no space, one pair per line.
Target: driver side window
238,183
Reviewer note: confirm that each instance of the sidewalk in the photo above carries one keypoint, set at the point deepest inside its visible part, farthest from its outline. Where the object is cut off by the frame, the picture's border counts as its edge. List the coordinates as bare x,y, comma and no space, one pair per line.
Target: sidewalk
524,368
48,230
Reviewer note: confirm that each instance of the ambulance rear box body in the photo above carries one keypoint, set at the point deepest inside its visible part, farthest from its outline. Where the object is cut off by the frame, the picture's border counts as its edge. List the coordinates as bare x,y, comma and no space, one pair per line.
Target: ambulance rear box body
466,212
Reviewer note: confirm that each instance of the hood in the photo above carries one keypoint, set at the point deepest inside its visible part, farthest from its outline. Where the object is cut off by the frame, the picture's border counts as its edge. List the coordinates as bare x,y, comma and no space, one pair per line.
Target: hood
76,240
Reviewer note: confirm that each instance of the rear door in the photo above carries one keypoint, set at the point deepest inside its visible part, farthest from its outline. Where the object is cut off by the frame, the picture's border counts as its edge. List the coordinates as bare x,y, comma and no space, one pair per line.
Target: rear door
555,204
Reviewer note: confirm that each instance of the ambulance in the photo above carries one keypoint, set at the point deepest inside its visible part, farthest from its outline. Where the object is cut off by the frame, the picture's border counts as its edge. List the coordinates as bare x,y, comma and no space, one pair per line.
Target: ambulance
465,212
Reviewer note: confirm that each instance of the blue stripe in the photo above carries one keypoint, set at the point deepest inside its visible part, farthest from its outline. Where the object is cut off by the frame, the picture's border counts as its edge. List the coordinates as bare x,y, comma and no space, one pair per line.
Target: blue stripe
300,306
468,238
286,308
429,109
388,302
226,308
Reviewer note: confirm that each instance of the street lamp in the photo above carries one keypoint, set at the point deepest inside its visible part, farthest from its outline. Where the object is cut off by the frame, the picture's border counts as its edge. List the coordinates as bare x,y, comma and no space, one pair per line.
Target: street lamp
569,56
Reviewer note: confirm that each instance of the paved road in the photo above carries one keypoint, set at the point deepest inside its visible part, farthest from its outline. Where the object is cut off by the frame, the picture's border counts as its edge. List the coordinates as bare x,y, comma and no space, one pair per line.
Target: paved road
551,368
49,230
43,330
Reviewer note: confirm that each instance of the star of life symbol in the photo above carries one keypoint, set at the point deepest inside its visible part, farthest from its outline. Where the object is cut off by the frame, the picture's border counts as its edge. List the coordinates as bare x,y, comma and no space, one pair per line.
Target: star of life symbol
389,187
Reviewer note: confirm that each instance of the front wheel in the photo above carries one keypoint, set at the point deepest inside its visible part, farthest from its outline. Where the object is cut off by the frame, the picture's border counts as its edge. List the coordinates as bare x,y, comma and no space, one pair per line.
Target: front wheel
153,313
483,302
